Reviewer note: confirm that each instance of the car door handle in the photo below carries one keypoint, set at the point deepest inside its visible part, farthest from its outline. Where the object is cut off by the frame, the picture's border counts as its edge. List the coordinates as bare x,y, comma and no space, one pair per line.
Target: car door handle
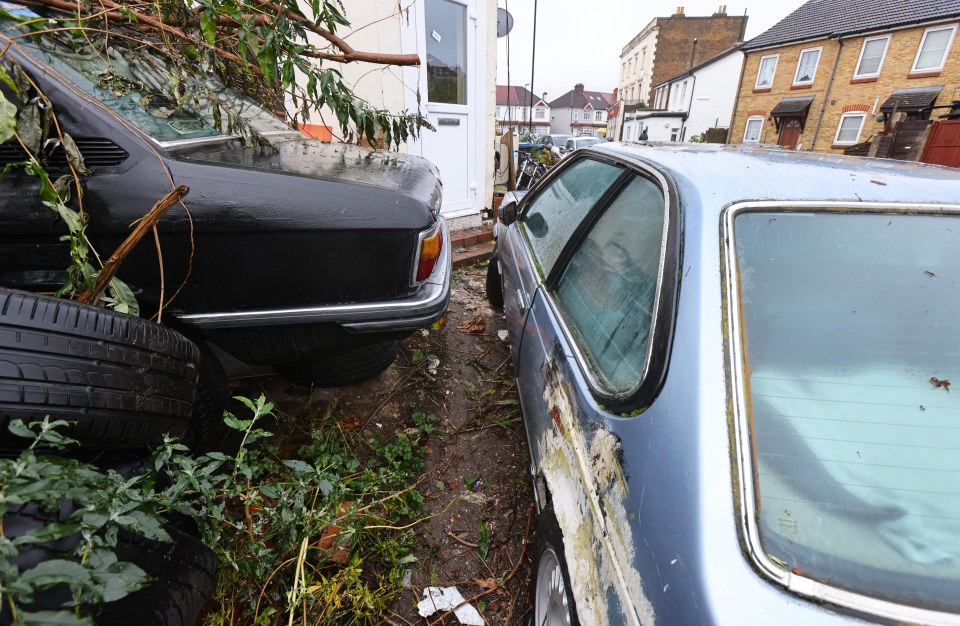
522,301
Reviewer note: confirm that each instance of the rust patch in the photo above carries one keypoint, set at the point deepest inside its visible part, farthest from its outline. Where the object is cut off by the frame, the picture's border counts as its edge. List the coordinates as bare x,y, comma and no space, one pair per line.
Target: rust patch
555,415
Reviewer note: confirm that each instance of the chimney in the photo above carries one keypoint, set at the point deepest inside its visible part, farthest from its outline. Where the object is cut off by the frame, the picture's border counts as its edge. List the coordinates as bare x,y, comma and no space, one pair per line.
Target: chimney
679,12
544,96
615,92
578,87
721,12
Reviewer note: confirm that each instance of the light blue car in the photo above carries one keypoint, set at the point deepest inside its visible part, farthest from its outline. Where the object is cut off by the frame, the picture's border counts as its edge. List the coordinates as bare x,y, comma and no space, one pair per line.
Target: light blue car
735,369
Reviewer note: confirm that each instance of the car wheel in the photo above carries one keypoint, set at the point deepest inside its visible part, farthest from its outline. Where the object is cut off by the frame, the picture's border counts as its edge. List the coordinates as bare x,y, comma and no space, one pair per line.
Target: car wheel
182,571
552,601
341,368
207,430
494,284
121,381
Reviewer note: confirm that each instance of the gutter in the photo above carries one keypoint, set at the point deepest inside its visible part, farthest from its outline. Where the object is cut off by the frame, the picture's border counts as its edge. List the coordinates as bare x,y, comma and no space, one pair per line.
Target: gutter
826,95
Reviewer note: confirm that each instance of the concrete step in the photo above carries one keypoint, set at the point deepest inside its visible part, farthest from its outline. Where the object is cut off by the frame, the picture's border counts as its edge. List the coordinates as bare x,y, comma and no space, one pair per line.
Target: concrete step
467,256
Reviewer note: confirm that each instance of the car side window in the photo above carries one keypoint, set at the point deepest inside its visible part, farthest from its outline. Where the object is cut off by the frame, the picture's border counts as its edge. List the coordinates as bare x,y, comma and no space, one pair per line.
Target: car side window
555,213
607,292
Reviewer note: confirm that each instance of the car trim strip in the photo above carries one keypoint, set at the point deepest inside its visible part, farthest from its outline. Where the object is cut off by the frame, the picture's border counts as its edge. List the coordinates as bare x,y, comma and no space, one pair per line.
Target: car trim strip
797,583
427,305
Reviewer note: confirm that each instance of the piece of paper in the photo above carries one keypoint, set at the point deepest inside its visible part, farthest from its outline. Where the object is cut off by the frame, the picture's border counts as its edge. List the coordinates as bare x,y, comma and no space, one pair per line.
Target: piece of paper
443,599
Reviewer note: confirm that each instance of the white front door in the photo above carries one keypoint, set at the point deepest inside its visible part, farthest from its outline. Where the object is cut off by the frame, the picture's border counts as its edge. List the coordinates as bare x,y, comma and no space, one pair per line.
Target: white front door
449,79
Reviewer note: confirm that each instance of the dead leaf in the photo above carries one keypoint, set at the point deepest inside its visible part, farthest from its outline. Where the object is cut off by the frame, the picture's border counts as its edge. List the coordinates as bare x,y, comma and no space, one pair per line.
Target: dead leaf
940,382
877,182
474,326
486,583
440,323
929,273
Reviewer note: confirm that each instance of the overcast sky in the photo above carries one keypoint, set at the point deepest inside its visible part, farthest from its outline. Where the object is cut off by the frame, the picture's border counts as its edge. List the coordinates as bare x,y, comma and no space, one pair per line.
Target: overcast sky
579,41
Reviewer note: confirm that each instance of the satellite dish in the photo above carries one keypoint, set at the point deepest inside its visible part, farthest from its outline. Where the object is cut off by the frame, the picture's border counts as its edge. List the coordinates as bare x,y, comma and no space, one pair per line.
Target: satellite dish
504,22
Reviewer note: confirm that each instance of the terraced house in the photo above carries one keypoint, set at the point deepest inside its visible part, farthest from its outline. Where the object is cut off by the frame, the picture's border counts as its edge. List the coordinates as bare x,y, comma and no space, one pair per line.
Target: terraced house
855,76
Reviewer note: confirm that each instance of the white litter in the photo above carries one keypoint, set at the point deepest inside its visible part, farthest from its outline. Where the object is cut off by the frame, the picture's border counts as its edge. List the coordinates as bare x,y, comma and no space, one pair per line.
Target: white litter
445,598
434,362
503,335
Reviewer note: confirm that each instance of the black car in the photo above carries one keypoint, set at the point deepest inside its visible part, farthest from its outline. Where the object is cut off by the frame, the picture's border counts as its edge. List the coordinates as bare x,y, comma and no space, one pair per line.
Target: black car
315,258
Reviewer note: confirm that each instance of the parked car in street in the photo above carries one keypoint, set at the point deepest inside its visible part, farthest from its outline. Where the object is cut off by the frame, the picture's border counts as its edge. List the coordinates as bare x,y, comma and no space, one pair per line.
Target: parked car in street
735,367
311,257
574,143
558,140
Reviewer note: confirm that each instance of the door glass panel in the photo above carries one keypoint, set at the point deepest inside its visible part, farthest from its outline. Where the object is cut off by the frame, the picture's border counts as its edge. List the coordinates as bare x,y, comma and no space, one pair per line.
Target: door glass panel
446,23
557,211
608,290
852,336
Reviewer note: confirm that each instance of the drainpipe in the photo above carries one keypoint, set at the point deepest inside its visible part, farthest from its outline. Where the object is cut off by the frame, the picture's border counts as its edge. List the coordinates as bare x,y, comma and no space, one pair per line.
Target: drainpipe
736,101
683,123
826,95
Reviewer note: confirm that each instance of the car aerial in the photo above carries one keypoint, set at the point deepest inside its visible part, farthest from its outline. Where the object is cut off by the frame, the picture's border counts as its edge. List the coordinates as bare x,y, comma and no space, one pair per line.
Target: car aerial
311,257
573,143
734,365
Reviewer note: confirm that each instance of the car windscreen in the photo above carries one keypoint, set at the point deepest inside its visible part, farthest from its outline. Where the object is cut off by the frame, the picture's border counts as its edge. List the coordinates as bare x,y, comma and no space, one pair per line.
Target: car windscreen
851,341
138,85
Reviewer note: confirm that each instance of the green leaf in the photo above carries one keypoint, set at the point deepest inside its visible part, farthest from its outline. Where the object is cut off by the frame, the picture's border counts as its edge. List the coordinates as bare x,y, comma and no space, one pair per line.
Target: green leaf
483,543
124,300
54,618
8,117
208,27
299,467
29,127
54,572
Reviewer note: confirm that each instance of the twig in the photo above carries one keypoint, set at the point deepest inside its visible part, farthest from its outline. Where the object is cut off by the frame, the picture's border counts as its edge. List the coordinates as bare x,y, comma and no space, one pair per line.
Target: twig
92,296
462,541
500,584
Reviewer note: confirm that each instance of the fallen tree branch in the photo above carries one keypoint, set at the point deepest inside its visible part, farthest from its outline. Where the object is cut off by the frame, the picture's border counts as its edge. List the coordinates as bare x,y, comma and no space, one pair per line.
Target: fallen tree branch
92,296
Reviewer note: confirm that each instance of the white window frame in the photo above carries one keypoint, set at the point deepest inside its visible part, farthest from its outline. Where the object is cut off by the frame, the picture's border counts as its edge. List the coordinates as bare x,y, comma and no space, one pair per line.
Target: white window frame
883,57
598,116
796,75
863,119
746,128
946,52
576,115
776,60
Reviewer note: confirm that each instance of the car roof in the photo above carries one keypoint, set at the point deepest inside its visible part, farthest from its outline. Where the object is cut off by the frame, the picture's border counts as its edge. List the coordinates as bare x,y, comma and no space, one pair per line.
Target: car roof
714,176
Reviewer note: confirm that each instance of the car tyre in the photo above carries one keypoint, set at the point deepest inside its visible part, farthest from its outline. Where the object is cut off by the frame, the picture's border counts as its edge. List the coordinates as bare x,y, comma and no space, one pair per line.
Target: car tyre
343,367
121,381
183,571
553,603
494,284
207,431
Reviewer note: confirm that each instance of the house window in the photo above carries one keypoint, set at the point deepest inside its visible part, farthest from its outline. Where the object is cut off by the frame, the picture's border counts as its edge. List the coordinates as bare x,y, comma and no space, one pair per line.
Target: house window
848,132
933,49
499,110
751,133
598,116
674,134
871,57
446,52
540,113
683,93
576,114
807,66
768,65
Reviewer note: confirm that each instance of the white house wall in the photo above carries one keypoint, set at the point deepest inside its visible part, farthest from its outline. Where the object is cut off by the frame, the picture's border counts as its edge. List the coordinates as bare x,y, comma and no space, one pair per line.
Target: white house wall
714,94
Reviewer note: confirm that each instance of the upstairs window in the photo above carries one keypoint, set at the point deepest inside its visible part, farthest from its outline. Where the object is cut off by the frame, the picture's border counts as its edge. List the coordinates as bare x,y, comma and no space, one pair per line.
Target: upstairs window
807,66
933,49
576,114
768,66
871,57
598,116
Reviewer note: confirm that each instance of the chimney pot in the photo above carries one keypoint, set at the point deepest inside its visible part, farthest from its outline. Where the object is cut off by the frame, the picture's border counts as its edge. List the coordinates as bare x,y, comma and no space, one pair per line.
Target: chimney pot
578,87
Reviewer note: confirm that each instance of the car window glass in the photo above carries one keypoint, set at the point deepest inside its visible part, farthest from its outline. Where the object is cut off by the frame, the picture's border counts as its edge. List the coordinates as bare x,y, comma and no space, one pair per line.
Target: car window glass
608,290
553,215
852,337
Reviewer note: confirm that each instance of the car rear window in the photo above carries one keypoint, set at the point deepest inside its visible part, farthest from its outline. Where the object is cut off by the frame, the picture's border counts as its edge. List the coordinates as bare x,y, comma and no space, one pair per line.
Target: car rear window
851,344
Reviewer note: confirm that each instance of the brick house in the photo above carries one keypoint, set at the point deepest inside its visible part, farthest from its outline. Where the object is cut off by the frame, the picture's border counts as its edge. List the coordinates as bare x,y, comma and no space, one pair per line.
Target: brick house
668,46
839,74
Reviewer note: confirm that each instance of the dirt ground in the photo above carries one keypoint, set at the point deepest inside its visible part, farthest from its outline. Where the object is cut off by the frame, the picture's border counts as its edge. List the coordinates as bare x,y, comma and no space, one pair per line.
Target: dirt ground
475,479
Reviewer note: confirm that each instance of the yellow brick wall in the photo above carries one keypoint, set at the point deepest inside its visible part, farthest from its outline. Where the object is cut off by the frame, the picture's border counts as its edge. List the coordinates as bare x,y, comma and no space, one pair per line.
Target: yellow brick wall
894,74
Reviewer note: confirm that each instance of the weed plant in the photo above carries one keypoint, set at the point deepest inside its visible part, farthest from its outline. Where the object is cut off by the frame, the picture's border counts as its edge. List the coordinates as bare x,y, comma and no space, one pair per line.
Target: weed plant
316,536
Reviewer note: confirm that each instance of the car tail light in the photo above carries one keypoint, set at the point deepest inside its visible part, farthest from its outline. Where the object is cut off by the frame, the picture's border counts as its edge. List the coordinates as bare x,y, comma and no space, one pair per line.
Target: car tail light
430,248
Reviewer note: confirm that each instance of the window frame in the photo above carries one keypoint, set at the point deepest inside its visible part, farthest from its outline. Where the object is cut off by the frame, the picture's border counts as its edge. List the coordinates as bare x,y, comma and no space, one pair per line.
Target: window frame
576,115
850,114
746,127
883,57
946,52
662,324
813,77
598,116
743,462
773,74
